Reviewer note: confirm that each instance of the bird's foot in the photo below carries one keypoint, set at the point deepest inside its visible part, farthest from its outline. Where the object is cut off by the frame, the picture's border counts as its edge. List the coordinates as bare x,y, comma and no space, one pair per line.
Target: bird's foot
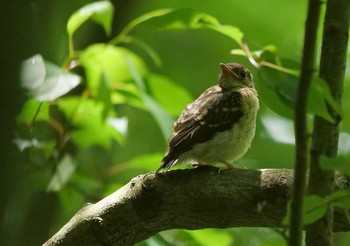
199,165
231,166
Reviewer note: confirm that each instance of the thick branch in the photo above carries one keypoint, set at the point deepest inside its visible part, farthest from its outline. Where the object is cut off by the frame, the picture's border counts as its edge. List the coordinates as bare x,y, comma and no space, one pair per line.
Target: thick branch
186,199
326,134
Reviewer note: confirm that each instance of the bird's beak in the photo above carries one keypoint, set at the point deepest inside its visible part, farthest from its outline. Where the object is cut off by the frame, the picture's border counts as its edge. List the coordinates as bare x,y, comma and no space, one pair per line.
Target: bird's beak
224,69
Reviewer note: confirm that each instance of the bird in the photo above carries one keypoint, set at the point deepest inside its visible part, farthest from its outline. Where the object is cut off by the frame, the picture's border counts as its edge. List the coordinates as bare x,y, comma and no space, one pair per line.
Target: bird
219,126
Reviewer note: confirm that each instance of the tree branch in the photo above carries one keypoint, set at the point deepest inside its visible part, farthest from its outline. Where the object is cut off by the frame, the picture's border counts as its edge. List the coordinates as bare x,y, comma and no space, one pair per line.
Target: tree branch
300,122
185,199
326,134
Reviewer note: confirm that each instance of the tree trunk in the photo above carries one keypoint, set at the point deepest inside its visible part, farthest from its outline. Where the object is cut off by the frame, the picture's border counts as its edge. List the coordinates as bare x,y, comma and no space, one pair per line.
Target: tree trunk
326,134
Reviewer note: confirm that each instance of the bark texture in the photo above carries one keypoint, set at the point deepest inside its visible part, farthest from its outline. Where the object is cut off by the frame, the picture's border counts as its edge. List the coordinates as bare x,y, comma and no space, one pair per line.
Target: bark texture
326,134
186,199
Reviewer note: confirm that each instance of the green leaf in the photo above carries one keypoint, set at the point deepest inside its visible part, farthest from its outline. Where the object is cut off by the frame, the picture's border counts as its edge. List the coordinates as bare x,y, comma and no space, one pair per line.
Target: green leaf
148,161
237,52
172,97
183,19
64,170
46,81
229,31
318,96
208,237
314,208
69,105
180,19
111,61
104,95
100,12
91,128
340,198
272,87
139,20
148,49
33,108
341,163
161,116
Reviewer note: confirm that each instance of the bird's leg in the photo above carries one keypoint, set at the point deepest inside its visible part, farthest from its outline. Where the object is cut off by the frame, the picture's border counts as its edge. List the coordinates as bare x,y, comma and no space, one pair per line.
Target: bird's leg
198,165
228,164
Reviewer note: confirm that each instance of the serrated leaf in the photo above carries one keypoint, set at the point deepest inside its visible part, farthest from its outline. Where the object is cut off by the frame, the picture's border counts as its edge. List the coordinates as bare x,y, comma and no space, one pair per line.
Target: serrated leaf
46,81
100,12
64,170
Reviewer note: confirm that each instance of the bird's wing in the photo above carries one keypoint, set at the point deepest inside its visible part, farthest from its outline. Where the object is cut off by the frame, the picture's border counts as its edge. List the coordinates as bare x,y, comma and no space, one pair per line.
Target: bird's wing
214,111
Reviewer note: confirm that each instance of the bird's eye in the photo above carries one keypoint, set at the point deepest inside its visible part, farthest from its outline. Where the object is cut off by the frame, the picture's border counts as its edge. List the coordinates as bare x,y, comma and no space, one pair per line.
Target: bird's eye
243,75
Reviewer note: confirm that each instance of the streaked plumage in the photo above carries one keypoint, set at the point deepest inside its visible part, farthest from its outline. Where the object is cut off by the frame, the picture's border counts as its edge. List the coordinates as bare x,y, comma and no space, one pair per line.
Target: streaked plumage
219,126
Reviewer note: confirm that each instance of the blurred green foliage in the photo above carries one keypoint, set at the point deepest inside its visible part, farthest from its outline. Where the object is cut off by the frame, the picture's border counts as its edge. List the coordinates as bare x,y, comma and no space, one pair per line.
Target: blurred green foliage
113,76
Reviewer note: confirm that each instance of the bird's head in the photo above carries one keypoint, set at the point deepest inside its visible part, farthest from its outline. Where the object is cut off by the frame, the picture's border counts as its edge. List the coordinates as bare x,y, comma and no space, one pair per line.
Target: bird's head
235,76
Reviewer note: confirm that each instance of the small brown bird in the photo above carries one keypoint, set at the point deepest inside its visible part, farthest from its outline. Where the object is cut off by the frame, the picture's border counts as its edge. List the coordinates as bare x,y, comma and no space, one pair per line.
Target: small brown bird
219,126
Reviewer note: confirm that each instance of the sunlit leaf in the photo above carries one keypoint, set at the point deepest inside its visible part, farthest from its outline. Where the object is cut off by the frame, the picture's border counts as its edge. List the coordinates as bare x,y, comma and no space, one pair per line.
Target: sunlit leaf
110,60
33,108
64,170
208,237
91,128
69,105
183,19
100,12
172,97
237,52
46,81
229,31
180,19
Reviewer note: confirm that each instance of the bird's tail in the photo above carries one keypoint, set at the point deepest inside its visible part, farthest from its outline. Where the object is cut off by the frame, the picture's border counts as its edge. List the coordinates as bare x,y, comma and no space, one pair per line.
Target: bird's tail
167,162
